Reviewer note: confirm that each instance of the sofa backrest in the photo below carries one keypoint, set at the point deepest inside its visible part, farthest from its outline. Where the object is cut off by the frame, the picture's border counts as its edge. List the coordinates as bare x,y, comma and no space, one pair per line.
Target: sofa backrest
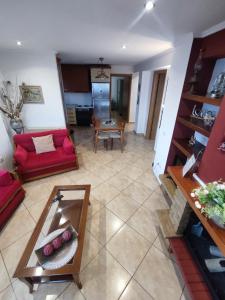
25,140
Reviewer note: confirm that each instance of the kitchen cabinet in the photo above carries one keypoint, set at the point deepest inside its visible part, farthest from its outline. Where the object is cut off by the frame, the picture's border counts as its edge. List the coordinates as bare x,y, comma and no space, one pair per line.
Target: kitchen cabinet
76,78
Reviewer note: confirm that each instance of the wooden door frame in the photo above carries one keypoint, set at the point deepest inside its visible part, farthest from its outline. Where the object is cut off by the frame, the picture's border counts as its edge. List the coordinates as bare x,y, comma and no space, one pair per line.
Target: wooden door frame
154,90
129,76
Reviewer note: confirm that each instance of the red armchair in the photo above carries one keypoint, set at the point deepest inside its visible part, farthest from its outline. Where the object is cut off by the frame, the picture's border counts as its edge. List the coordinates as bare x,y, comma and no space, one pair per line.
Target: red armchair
11,195
31,166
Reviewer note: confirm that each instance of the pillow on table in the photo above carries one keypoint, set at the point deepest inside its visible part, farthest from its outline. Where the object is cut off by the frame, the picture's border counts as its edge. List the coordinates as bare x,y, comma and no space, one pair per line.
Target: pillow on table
5,178
20,155
43,144
68,146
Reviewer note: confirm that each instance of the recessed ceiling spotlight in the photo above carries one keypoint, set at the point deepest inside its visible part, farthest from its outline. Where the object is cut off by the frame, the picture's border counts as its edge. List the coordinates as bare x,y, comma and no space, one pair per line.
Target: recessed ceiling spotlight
149,5
124,47
19,43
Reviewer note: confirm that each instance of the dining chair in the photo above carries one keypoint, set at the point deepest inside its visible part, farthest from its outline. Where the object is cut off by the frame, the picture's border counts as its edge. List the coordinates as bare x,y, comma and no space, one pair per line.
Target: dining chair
118,135
101,135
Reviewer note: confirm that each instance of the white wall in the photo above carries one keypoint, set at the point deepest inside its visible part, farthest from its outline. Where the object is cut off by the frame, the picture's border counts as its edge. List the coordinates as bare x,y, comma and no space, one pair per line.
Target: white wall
142,107
6,148
121,69
133,97
36,69
172,99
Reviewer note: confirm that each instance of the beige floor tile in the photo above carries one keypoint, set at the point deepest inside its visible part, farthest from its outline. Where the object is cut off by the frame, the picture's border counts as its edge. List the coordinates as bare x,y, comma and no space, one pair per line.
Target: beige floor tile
20,224
71,293
132,172
13,253
120,181
76,175
155,201
90,179
105,192
36,193
103,225
149,180
123,206
7,294
37,209
95,206
104,278
156,274
44,291
135,292
61,179
138,192
4,277
128,247
144,222
143,163
117,165
90,250
104,172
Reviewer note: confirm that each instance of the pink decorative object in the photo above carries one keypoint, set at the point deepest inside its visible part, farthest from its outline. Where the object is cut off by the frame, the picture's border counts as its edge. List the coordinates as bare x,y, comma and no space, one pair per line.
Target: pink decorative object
67,235
57,243
48,250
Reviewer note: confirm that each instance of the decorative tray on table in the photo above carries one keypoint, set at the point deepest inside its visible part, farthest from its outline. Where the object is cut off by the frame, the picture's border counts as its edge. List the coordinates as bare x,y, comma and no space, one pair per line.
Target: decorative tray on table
57,248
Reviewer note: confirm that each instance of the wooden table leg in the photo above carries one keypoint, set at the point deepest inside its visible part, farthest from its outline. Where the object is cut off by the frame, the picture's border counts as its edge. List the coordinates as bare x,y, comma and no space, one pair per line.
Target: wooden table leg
76,279
29,283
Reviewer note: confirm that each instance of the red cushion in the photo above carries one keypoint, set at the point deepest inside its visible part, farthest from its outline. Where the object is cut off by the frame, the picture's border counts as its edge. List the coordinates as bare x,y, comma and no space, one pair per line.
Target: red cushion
45,160
5,178
68,146
25,140
20,155
6,193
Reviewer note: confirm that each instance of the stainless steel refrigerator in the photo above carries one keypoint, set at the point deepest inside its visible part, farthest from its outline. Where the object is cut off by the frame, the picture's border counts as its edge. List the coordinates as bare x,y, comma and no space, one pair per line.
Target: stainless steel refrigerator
101,99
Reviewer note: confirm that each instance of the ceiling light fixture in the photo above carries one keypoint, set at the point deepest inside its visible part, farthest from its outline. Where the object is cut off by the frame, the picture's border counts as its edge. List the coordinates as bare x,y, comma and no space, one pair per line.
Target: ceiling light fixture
149,5
101,74
124,47
19,43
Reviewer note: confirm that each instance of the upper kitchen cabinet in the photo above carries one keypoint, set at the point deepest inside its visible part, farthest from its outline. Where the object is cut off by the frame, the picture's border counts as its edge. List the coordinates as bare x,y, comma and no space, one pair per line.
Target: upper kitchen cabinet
76,78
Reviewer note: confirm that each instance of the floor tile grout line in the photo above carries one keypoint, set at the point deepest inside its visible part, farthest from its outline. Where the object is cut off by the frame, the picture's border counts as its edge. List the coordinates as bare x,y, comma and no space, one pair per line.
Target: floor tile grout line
6,272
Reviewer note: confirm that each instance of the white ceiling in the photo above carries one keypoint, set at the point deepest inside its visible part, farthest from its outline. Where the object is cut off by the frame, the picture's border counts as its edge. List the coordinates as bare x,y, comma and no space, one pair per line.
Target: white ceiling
83,30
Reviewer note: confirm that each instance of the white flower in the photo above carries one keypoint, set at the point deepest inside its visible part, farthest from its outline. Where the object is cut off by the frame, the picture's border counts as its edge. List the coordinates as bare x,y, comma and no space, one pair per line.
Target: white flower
205,192
197,204
215,182
193,195
221,186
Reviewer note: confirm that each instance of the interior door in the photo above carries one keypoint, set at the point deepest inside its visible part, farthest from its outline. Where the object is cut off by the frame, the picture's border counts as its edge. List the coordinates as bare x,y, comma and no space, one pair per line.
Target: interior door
155,104
126,97
120,96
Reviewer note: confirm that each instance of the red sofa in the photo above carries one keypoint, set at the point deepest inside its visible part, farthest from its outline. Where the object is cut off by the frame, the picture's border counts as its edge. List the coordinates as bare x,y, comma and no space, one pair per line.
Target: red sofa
11,195
31,166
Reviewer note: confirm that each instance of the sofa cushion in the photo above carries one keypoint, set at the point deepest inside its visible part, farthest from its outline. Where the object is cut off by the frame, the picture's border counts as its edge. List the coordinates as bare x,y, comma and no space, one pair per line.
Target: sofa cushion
5,178
45,160
20,155
7,193
43,144
25,140
68,146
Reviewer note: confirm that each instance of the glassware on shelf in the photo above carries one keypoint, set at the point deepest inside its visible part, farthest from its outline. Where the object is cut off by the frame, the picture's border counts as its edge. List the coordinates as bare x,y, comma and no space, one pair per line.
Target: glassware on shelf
218,88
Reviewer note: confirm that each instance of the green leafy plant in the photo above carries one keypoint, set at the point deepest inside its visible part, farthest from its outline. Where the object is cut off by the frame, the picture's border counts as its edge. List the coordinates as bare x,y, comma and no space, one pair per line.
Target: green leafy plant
211,200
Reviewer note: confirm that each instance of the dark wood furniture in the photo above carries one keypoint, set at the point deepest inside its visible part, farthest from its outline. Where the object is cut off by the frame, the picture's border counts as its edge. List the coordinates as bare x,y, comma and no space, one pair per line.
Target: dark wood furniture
185,127
72,209
76,78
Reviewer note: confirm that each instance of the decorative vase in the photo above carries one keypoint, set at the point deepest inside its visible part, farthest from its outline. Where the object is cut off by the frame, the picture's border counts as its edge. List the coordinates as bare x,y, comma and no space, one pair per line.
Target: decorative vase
17,125
218,222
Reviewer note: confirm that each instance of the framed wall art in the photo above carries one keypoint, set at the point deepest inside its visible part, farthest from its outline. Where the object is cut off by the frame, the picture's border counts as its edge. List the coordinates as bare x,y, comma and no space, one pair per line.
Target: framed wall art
31,94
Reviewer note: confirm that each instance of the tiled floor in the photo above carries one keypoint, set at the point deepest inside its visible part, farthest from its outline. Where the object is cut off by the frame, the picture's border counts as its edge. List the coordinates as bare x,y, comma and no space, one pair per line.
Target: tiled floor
123,258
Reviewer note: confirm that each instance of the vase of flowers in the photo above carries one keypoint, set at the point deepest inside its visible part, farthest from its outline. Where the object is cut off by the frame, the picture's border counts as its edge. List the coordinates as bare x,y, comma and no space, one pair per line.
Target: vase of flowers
11,105
210,199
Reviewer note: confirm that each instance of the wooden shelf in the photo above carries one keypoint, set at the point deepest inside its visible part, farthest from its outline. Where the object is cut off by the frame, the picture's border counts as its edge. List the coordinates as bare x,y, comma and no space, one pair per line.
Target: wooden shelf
195,124
186,185
168,185
183,146
202,99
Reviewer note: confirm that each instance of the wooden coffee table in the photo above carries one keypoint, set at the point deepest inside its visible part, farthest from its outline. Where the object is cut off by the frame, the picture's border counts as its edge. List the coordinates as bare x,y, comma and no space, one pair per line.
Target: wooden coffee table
71,209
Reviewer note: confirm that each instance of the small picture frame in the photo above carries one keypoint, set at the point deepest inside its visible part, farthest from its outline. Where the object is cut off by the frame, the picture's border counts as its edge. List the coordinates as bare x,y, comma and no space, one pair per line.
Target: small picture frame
31,94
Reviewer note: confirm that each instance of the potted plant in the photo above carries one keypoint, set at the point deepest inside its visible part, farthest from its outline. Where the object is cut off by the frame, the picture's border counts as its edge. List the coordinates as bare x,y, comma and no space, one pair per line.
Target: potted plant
11,105
211,201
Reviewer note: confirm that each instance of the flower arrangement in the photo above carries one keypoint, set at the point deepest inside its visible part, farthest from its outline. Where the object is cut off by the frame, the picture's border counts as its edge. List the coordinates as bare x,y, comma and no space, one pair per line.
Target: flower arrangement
11,102
211,201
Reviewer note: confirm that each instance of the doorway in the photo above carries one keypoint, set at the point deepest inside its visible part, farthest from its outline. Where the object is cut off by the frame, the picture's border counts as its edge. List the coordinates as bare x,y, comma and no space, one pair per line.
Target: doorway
159,80
120,96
